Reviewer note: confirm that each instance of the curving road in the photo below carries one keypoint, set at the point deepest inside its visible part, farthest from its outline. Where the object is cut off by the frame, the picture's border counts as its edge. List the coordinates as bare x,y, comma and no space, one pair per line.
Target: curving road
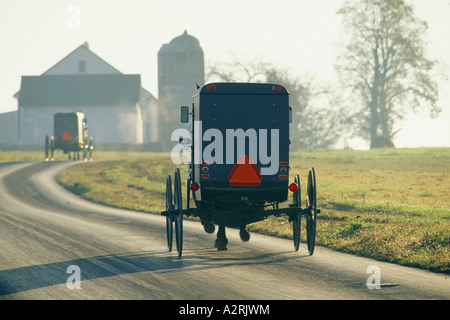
45,231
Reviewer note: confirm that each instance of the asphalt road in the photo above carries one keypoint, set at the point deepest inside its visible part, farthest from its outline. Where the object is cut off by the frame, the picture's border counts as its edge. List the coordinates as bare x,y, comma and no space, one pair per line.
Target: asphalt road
49,237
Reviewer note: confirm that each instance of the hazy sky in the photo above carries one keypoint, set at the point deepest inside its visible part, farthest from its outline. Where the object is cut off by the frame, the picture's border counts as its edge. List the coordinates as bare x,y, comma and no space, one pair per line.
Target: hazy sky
301,35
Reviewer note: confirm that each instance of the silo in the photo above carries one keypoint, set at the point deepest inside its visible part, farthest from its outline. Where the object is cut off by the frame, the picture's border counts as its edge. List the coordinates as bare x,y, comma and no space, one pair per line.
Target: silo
180,66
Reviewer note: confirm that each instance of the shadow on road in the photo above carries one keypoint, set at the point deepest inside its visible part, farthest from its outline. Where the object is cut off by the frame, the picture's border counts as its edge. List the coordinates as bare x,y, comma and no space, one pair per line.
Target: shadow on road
44,275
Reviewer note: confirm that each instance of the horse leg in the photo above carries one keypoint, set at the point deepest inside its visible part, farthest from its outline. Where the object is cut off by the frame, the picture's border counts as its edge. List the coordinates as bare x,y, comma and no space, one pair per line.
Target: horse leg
221,242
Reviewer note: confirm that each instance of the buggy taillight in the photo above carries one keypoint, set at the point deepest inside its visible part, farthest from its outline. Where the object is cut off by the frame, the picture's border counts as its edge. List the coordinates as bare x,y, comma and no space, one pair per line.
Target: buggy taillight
293,187
194,186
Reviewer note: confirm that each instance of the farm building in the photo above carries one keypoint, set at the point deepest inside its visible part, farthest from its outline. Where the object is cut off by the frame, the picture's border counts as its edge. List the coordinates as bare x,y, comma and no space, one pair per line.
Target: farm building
118,109
8,130
180,67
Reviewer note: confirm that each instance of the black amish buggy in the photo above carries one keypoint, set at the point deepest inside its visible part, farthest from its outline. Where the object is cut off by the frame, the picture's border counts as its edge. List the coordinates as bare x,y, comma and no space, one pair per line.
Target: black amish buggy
238,166
70,135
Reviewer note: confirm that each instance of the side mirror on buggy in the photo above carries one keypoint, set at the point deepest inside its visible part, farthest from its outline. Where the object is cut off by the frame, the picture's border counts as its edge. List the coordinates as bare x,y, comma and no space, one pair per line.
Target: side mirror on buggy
290,114
184,114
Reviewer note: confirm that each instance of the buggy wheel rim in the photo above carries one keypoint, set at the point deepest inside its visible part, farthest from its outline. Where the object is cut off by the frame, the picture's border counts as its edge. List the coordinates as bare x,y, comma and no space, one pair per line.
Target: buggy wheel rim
169,208
178,214
296,219
311,217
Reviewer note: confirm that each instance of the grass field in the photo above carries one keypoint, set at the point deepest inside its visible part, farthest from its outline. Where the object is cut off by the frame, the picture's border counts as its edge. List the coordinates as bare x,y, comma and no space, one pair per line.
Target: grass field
388,204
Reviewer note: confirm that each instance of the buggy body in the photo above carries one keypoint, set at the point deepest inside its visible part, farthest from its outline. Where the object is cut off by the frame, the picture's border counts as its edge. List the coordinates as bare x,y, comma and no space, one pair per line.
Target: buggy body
240,155
69,135
69,131
238,171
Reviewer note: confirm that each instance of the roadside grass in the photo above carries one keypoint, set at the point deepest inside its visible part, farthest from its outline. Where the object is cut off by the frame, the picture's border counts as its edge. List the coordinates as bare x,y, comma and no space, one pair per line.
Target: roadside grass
137,184
388,204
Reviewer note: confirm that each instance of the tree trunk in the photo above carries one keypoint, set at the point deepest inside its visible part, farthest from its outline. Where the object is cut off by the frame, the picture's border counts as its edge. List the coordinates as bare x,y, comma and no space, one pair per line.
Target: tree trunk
374,121
374,92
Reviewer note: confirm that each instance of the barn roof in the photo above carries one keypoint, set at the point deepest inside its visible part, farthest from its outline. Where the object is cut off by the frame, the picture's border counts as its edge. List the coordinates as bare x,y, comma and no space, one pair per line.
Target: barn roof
80,90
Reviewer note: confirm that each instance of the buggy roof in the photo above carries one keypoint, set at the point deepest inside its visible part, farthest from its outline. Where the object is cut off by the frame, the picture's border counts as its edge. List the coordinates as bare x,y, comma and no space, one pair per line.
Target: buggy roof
242,88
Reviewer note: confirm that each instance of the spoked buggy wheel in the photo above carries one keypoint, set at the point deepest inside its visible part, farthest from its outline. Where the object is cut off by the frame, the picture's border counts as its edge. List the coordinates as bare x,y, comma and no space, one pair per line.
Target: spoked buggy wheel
52,148
178,212
169,209
91,147
296,219
311,216
47,148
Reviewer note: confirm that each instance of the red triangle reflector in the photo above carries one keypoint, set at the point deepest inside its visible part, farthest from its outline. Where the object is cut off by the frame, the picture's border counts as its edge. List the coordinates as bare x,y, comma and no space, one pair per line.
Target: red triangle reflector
245,173
66,136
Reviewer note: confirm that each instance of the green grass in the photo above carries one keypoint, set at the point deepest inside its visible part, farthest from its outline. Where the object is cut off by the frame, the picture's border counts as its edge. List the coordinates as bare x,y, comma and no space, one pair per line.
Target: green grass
388,204
137,184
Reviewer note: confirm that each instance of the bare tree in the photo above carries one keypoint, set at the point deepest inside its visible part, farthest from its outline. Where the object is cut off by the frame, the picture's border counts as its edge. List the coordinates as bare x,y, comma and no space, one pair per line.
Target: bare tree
317,118
316,123
384,64
237,68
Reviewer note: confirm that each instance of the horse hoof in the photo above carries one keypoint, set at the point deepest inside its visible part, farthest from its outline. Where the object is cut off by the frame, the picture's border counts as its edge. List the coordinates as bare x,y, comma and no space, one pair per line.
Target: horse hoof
221,245
223,248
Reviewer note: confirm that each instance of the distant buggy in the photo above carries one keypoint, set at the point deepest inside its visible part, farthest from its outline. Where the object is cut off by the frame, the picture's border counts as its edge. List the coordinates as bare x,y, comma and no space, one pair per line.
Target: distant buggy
238,171
70,135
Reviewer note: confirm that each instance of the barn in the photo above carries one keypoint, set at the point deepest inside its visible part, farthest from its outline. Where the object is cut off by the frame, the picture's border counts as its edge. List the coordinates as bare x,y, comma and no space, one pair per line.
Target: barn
118,108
